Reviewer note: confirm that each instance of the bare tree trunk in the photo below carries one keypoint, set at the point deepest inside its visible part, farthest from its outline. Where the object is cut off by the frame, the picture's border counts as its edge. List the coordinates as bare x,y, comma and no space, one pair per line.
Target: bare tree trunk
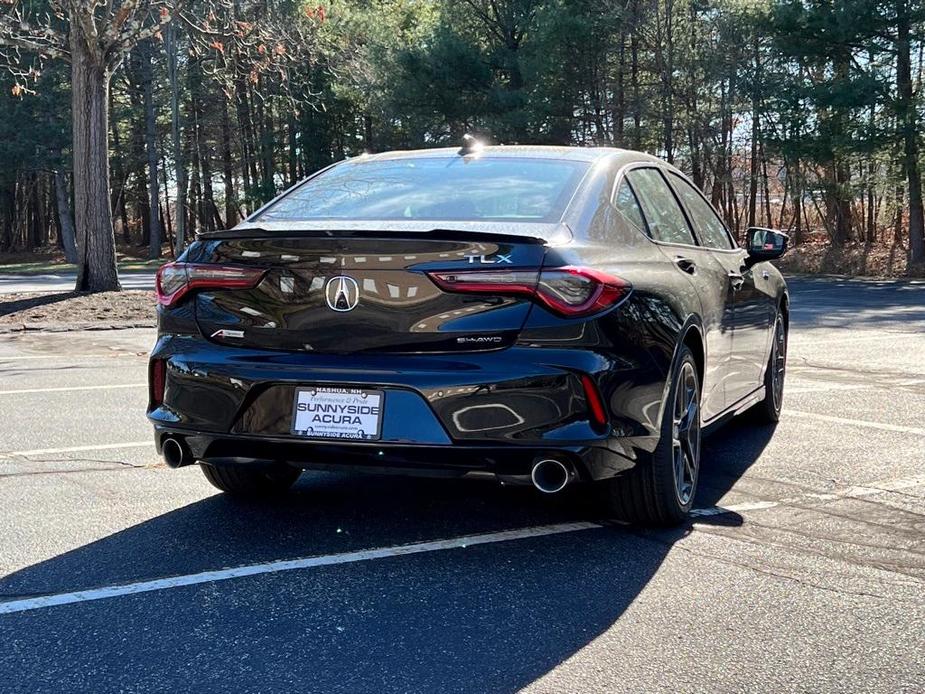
65,218
156,235
292,154
839,197
168,222
367,132
909,122
180,231
765,182
195,198
669,82
265,148
231,208
37,227
96,244
619,111
246,129
840,205
139,170
119,171
664,63
753,165
871,205
634,78
7,207
898,219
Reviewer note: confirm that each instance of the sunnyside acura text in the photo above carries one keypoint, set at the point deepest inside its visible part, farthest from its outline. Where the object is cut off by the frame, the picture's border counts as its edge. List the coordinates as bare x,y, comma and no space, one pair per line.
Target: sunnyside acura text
544,315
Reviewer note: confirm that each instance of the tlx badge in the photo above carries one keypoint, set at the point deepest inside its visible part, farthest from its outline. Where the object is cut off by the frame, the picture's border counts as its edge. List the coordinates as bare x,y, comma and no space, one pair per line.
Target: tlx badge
490,260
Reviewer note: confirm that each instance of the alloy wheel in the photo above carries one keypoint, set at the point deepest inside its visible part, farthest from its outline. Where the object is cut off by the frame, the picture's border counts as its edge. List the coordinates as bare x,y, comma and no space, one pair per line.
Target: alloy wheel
685,439
778,363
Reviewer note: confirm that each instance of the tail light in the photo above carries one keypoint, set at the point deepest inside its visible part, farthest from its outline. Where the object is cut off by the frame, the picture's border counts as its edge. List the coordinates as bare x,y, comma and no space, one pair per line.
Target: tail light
175,280
157,379
567,291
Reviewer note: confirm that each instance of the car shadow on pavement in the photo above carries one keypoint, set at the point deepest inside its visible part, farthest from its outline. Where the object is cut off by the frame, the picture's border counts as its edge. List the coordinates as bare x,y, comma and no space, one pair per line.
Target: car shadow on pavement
487,618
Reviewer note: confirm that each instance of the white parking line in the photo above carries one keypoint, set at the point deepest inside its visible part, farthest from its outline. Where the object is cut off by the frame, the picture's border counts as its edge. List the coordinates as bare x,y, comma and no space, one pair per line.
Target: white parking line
827,388
57,599
76,449
829,342
917,431
70,388
858,491
287,565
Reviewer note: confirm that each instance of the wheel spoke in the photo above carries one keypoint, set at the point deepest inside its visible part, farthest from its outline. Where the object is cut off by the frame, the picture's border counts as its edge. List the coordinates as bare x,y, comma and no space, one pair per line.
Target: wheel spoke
690,466
690,416
677,453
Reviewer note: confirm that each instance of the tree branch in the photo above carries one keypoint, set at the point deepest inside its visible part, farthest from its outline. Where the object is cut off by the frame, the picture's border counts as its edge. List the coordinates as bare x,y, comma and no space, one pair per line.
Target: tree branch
17,33
136,21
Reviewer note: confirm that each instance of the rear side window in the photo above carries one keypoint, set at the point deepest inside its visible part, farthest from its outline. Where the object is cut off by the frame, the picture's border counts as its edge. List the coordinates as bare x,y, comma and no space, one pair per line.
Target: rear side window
445,188
663,213
710,229
626,202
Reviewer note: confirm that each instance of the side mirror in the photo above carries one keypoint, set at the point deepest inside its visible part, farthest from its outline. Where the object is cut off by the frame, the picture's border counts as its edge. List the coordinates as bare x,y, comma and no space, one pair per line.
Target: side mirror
764,244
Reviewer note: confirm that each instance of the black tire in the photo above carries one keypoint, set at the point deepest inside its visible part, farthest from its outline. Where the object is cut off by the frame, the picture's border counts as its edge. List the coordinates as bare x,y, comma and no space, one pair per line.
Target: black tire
661,493
768,410
244,482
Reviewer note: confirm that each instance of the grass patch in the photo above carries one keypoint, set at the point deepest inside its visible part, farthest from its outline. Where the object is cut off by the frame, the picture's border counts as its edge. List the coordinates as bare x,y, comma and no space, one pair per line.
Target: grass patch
77,308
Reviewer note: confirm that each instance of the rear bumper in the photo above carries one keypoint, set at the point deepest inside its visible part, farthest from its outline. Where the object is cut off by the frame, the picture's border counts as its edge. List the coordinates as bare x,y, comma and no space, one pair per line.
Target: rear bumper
489,413
507,464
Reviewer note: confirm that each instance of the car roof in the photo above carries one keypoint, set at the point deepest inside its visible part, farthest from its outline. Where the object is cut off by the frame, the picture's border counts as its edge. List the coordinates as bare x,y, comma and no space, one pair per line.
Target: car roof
582,154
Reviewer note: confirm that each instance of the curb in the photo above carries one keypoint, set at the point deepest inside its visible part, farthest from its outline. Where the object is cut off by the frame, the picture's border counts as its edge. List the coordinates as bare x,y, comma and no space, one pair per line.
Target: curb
71,327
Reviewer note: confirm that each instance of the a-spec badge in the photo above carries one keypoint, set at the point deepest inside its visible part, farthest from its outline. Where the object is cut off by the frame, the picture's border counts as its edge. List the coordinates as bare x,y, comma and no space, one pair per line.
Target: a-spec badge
342,293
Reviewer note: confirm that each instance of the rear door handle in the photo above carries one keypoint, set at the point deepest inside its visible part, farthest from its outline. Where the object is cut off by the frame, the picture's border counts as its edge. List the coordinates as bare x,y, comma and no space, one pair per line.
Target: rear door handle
686,264
736,279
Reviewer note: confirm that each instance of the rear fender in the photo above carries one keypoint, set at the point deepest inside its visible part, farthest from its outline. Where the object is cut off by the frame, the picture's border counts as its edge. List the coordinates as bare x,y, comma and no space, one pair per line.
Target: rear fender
693,325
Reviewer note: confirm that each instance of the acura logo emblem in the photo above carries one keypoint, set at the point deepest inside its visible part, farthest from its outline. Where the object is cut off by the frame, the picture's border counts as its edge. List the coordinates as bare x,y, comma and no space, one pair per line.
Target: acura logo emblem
342,293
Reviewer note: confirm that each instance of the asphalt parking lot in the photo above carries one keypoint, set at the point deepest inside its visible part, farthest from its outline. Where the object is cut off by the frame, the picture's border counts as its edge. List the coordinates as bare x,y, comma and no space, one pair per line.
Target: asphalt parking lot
804,569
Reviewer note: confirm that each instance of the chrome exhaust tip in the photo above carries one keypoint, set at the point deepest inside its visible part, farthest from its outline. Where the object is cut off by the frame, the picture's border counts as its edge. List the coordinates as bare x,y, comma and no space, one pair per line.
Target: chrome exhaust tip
550,475
175,453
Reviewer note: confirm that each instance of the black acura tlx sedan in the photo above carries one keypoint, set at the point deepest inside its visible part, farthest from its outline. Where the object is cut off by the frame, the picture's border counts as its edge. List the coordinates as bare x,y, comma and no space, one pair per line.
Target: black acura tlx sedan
544,315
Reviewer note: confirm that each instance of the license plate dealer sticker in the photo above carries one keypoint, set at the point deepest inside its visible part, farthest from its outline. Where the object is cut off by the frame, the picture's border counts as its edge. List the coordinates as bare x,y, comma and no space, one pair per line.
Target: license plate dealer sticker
338,413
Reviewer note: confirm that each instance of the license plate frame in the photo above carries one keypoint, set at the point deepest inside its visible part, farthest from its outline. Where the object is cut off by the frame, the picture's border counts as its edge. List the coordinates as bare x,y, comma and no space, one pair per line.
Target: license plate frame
336,428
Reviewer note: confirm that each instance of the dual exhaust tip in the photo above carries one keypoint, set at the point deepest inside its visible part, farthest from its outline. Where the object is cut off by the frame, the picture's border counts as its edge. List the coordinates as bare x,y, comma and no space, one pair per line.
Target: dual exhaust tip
551,476
175,452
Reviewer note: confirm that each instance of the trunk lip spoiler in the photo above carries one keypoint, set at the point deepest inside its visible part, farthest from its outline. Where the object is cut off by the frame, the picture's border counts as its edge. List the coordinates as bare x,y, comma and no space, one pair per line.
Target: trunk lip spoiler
550,234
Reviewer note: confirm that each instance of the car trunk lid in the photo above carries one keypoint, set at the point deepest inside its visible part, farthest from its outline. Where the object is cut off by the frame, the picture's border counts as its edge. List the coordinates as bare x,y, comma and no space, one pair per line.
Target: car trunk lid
345,292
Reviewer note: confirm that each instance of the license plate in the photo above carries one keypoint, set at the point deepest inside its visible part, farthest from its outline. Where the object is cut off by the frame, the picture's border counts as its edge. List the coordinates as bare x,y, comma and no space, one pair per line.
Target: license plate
337,413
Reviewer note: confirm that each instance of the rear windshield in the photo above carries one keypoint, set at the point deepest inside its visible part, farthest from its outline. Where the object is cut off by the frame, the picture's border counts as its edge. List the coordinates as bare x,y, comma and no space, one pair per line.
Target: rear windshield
445,188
